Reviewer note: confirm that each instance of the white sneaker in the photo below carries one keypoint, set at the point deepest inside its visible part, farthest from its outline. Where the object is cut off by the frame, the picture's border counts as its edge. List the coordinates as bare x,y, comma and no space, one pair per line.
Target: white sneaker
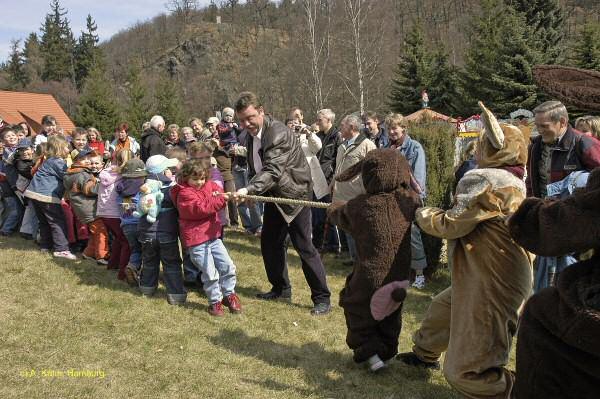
419,282
102,261
65,255
375,363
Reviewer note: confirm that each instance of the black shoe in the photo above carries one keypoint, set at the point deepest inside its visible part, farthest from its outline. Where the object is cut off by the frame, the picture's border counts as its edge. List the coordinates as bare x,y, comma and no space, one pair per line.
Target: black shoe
412,359
320,309
26,236
348,262
272,295
4,234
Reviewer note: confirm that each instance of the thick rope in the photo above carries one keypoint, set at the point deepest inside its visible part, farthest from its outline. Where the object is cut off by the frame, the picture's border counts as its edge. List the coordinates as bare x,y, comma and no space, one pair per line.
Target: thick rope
286,201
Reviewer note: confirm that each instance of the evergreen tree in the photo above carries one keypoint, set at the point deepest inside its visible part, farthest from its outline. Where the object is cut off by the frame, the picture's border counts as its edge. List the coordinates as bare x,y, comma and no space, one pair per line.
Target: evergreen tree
443,85
57,45
138,109
15,67
545,20
34,64
586,52
169,103
97,106
87,52
412,73
498,62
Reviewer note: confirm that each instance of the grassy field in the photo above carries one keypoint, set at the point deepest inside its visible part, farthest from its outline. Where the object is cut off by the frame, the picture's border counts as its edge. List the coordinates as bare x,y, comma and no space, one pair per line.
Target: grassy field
60,320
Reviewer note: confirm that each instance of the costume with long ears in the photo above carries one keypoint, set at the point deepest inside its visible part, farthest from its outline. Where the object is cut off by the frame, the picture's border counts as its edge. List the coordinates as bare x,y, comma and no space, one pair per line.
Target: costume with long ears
558,348
475,319
380,223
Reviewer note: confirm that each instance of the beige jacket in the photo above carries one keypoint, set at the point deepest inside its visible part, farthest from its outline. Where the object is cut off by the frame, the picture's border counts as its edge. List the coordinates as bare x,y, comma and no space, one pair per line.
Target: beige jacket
347,156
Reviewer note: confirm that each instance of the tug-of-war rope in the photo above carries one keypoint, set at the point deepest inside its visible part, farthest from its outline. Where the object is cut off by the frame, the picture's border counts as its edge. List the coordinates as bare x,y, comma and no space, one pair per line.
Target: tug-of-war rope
285,201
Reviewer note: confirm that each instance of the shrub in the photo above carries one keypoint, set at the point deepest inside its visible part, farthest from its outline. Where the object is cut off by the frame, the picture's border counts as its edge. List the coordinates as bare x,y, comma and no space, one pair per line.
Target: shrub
437,139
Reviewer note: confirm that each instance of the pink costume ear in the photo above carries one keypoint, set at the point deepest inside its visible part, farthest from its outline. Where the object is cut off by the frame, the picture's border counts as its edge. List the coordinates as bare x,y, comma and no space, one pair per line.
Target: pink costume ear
387,299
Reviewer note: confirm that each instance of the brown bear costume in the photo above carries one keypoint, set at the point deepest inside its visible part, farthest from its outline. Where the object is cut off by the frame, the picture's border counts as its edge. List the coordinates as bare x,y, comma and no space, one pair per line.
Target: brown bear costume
558,346
380,223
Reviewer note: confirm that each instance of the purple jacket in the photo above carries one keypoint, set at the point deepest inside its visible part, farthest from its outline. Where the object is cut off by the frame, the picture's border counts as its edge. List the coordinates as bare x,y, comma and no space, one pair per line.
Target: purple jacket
108,202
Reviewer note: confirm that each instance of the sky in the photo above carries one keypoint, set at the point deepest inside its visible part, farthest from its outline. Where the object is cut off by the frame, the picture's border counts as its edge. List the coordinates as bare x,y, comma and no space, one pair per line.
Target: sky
21,17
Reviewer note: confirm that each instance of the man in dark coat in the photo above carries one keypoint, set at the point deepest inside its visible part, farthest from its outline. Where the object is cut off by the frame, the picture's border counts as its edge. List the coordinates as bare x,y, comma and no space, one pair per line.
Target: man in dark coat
278,168
559,149
152,143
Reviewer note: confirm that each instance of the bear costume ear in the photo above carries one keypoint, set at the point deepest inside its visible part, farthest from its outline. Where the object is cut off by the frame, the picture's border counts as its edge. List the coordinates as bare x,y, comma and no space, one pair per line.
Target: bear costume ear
493,131
351,172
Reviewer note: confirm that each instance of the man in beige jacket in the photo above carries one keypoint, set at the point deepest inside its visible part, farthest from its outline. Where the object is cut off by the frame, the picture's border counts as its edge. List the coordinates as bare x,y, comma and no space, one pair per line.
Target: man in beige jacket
352,150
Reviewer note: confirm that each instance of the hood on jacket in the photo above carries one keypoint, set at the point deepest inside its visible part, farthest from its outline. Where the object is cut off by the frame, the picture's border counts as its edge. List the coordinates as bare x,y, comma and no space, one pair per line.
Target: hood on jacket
176,190
109,177
500,144
130,187
150,132
383,170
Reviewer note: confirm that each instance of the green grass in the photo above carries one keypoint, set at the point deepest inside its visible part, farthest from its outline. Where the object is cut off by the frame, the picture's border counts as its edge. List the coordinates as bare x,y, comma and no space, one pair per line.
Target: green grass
57,316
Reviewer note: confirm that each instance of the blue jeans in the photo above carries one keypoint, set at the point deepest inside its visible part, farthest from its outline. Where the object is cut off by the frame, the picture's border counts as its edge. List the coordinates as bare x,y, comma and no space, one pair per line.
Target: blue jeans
157,248
250,215
131,233
29,225
418,257
13,213
218,271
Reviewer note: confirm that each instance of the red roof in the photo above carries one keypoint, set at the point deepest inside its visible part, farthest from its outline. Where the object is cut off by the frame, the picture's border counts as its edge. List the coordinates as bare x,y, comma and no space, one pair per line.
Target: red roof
17,107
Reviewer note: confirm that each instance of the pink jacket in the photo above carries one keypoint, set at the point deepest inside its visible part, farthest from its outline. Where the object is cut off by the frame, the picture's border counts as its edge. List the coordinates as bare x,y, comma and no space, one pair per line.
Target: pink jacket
198,208
108,199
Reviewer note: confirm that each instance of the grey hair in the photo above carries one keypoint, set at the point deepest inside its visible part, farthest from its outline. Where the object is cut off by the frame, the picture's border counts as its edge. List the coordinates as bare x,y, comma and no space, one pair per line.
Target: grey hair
173,126
353,121
326,113
157,121
554,109
187,129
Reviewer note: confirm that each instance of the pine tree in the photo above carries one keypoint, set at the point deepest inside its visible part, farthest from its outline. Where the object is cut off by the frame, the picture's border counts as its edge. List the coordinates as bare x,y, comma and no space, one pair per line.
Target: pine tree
34,63
586,52
138,109
169,103
545,20
97,106
57,44
498,62
443,86
15,66
87,52
412,73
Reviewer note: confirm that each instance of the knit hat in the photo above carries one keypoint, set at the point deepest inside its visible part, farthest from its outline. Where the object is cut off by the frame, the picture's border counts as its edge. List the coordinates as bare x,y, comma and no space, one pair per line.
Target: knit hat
24,143
228,112
82,153
158,163
213,120
134,168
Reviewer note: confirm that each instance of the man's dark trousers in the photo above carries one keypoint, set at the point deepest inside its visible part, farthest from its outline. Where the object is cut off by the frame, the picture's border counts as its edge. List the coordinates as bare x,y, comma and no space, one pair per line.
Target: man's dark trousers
273,248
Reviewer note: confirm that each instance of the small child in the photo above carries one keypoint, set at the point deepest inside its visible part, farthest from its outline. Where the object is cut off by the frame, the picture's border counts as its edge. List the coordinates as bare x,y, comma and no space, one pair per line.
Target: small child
13,208
198,200
46,191
82,185
109,209
227,130
133,175
23,163
160,239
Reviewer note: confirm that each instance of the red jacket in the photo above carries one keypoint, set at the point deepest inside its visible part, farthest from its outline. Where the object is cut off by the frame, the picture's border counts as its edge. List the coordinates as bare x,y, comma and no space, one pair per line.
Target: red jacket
98,146
198,208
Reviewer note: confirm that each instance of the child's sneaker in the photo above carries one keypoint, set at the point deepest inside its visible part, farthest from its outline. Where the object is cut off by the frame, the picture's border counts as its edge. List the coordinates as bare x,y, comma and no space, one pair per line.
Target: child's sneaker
102,261
233,303
375,363
65,255
419,282
216,309
87,257
132,274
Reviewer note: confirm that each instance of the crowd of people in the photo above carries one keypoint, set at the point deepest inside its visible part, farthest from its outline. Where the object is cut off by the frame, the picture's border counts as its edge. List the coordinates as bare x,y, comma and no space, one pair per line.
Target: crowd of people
167,199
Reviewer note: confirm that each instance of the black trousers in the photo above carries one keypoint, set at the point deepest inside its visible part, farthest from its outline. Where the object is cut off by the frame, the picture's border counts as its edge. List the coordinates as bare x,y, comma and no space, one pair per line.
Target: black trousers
273,248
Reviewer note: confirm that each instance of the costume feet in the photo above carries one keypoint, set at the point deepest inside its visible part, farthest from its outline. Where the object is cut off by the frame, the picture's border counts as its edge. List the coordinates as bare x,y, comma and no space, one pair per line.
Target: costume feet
412,359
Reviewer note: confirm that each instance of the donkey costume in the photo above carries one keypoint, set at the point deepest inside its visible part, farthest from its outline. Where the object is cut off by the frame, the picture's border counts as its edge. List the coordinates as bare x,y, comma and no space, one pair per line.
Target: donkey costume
475,319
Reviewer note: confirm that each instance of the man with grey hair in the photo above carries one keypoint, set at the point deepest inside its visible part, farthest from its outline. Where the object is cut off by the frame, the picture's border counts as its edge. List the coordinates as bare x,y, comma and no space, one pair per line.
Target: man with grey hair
353,149
559,149
152,143
326,239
